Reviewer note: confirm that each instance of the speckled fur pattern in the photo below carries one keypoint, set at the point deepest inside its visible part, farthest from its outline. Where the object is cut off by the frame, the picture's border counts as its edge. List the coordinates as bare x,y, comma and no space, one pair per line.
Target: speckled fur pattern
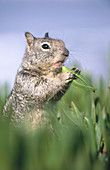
39,79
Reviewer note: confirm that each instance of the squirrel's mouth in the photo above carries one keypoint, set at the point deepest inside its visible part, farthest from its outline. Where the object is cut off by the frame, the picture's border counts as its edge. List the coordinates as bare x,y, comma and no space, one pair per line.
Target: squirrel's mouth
60,62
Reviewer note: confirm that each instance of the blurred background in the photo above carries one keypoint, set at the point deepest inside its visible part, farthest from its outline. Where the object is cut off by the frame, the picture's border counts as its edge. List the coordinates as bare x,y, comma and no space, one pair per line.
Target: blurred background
84,26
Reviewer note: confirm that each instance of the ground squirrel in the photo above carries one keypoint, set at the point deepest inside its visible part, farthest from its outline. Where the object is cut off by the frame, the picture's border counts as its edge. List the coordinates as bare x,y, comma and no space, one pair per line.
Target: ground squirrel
39,79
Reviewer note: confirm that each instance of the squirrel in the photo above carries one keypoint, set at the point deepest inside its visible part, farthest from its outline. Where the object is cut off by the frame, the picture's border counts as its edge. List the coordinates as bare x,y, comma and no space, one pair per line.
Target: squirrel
39,79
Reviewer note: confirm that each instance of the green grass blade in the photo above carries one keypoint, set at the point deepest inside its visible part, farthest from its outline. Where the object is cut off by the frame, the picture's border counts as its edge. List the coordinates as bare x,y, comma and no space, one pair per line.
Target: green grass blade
87,85
83,87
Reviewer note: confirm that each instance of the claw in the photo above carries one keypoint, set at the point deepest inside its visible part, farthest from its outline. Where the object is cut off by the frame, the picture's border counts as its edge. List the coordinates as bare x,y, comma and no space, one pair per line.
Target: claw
74,77
77,70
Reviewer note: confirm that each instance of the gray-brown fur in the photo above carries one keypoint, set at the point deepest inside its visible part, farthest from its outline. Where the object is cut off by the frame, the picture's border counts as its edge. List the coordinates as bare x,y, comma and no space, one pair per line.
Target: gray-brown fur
39,78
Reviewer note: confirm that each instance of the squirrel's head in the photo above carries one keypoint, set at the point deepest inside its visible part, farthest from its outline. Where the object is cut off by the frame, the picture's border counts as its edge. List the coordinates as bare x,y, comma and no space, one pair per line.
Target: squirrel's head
45,54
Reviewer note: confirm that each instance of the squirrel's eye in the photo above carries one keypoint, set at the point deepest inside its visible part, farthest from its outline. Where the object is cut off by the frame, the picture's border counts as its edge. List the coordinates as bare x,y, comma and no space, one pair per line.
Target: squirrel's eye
45,46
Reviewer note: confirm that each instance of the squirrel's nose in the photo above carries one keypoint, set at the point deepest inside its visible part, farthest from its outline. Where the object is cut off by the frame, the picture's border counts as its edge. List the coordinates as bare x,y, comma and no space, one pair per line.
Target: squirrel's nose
66,52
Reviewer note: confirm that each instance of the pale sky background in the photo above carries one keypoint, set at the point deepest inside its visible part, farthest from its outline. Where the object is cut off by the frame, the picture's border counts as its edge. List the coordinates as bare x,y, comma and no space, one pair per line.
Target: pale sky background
84,26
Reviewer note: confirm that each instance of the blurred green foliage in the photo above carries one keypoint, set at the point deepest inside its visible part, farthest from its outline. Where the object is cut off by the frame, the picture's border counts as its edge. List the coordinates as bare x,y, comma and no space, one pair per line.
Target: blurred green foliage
80,139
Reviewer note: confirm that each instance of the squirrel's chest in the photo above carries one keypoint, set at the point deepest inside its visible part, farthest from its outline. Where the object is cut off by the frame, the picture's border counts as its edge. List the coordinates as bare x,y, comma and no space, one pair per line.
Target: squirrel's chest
34,91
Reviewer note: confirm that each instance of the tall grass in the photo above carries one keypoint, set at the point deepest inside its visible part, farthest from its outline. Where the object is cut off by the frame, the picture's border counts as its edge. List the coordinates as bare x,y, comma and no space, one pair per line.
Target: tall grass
80,139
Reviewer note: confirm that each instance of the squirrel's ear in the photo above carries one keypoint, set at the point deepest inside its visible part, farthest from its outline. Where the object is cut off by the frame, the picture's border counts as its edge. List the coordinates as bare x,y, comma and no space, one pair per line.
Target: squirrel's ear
46,35
29,38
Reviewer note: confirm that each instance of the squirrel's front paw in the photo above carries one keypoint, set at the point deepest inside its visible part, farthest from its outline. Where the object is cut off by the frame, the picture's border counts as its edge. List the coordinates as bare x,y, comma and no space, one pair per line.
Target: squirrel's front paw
77,70
66,77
